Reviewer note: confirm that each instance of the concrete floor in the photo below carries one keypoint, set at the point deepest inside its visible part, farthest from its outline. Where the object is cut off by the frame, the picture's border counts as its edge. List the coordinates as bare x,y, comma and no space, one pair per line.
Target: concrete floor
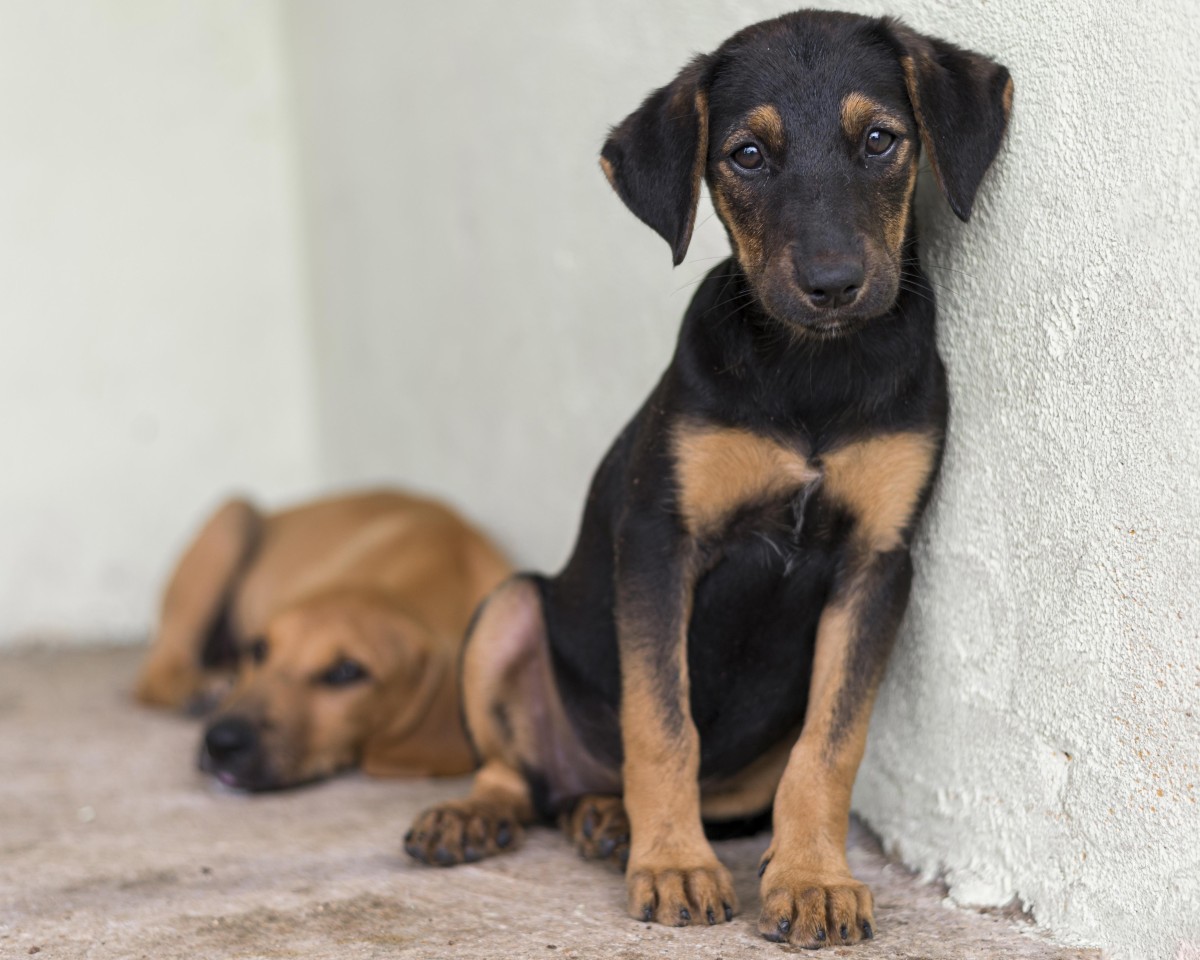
111,845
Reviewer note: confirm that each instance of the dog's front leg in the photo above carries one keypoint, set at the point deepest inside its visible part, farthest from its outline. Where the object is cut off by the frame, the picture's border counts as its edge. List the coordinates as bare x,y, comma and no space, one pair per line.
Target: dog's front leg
809,897
673,875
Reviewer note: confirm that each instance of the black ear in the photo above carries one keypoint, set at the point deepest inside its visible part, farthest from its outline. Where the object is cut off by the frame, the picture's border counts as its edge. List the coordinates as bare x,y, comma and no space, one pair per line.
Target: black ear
962,101
655,158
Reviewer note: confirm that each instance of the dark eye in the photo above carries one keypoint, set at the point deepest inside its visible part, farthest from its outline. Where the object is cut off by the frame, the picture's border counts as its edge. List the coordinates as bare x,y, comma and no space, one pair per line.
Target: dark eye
343,673
879,142
748,157
257,650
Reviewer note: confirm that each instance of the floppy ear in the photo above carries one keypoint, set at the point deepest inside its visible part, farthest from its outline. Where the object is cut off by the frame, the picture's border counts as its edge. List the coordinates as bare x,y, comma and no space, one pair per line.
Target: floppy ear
655,158
962,102
418,728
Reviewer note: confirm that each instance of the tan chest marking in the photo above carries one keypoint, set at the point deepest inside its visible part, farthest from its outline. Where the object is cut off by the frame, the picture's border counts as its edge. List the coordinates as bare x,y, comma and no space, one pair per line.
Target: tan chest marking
718,470
880,481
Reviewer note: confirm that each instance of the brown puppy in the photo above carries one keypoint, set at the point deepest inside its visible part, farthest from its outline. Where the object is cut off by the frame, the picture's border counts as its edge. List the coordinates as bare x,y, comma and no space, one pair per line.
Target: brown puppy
338,624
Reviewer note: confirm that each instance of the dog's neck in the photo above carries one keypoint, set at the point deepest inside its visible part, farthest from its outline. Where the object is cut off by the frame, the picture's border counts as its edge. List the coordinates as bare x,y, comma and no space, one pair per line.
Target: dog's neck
733,356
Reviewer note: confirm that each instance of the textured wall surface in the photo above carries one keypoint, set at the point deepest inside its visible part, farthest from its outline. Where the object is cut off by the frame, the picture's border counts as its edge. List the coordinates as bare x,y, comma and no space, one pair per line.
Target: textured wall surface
154,350
490,315
1039,735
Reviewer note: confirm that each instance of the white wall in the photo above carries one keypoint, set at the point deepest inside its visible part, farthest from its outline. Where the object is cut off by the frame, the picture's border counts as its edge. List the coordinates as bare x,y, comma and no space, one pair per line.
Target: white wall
154,351
489,315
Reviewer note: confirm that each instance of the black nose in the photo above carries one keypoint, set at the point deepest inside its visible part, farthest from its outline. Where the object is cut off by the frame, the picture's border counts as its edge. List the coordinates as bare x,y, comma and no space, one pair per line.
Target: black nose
230,737
831,281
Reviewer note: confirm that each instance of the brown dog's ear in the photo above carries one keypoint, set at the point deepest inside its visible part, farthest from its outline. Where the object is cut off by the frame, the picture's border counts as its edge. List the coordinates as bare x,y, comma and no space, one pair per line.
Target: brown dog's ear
417,728
962,101
655,158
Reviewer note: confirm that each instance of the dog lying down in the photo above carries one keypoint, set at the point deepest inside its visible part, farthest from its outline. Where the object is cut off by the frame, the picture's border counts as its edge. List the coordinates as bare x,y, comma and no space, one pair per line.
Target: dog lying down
326,635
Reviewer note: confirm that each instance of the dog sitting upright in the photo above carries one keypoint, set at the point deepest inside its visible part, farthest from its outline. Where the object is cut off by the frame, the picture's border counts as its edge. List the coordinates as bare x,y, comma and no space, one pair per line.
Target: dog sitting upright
342,621
713,646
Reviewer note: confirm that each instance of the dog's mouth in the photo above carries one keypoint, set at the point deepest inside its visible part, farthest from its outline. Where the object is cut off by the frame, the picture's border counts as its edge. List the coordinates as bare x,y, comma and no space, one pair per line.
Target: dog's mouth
247,774
775,286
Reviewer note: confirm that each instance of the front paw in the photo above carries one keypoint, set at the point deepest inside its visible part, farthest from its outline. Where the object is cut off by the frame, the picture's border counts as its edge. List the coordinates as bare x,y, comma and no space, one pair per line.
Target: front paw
814,908
681,895
462,832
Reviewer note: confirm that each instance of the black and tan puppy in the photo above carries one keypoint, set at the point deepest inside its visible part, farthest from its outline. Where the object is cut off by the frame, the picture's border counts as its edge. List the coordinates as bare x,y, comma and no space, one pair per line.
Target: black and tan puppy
713,646
339,624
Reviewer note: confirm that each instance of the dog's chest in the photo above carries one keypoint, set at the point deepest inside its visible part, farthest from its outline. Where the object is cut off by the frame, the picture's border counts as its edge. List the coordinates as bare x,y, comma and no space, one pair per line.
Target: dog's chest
725,474
732,480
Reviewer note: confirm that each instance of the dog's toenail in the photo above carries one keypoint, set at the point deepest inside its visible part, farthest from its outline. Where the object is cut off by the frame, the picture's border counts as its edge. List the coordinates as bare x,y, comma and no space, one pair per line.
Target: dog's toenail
503,834
684,915
844,931
821,934
606,846
471,855
785,924
712,917
867,931
648,912
443,856
762,867
728,912
408,837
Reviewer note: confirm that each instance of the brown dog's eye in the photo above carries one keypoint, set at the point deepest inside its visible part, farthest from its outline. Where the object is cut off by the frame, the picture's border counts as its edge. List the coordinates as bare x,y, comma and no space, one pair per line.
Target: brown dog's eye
879,142
257,651
343,673
748,157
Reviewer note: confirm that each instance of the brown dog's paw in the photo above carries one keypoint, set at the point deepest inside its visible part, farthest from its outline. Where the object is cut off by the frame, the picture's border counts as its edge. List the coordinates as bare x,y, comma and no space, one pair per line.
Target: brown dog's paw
599,829
677,898
463,832
813,909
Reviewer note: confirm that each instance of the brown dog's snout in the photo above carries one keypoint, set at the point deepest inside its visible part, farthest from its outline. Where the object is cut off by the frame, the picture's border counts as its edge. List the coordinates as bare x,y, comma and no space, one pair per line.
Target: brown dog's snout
232,752
830,280
231,738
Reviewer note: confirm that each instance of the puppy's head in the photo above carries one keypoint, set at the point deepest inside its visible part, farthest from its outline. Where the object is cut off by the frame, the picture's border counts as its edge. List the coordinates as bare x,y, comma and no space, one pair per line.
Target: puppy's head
808,130
330,682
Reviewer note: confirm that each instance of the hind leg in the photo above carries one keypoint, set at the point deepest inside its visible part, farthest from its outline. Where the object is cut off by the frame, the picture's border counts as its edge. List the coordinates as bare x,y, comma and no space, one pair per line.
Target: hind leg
520,731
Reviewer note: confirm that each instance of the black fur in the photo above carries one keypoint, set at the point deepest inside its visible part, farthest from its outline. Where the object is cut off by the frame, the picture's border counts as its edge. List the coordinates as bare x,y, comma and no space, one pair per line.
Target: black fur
783,372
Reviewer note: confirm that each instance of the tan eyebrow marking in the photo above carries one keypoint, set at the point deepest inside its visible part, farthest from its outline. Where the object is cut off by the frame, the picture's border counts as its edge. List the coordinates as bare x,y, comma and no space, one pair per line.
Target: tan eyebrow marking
859,110
766,123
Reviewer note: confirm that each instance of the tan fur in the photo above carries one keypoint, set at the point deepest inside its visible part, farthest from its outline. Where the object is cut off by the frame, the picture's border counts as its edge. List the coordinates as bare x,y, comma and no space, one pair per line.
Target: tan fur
807,880
747,243
518,722
609,173
912,82
896,221
1007,100
880,481
700,105
859,112
721,469
385,579
673,875
750,791
807,877
766,123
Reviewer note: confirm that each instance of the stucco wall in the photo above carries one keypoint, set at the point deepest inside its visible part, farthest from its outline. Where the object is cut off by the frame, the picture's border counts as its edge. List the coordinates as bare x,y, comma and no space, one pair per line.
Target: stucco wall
489,315
154,351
